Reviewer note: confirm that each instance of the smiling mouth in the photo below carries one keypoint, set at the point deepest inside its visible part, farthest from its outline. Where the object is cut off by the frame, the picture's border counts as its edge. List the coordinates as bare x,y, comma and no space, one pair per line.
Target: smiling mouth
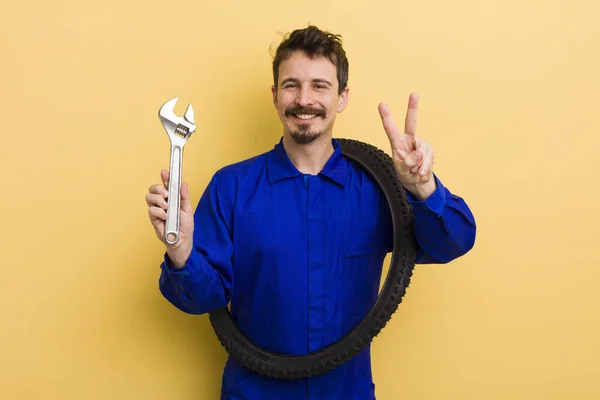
304,114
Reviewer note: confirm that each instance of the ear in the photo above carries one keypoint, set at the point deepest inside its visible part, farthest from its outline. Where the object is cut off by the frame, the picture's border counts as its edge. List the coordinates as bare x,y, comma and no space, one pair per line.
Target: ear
343,100
274,92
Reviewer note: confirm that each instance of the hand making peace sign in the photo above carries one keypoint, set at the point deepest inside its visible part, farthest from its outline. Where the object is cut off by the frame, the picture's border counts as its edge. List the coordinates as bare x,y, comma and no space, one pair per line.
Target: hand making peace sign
413,157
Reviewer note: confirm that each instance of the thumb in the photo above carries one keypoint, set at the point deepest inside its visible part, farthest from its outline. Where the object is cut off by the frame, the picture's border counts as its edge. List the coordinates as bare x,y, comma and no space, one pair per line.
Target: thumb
414,158
186,200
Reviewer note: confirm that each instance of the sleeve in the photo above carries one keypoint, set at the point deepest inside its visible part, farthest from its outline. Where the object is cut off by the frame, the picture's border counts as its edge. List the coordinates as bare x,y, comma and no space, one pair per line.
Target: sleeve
205,282
444,226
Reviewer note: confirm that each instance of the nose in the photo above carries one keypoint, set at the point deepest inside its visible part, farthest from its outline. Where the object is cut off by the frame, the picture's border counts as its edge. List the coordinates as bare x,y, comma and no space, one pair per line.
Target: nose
304,97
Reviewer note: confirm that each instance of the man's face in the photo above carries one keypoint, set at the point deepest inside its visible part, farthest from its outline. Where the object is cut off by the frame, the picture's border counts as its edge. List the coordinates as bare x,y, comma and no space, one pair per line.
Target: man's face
307,99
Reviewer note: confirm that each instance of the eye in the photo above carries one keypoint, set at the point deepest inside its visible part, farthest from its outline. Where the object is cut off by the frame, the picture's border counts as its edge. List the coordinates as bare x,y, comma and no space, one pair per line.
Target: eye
319,86
289,85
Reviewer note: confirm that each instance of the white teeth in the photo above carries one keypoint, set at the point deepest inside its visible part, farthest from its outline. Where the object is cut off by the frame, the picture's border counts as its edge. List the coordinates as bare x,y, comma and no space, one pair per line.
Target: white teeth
306,116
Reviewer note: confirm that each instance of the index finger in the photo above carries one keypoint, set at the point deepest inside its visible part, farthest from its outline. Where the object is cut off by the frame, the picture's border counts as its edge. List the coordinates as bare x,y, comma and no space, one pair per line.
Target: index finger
410,124
388,124
158,189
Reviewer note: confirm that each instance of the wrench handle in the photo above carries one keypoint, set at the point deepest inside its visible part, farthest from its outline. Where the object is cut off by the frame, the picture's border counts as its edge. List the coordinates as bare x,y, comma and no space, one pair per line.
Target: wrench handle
174,200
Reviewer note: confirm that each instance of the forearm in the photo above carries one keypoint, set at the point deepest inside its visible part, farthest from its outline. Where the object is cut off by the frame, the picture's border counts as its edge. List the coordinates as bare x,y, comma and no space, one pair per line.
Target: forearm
196,287
444,226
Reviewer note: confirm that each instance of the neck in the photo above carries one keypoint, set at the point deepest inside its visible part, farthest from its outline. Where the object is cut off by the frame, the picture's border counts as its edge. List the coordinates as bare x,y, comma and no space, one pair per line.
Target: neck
309,158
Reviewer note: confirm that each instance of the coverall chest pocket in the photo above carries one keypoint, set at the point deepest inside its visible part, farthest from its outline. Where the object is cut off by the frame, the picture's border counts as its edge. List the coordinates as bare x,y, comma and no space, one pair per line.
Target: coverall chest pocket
362,238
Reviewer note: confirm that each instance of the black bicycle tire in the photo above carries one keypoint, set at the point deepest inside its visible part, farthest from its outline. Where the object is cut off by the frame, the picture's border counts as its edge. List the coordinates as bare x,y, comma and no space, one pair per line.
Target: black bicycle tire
282,366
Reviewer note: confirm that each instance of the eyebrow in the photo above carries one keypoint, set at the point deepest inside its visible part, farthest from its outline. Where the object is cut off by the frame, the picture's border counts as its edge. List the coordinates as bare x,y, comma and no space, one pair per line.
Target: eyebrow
317,80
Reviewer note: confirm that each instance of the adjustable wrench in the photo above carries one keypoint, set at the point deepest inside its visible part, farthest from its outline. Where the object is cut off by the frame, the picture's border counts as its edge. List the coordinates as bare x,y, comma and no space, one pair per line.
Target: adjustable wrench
179,130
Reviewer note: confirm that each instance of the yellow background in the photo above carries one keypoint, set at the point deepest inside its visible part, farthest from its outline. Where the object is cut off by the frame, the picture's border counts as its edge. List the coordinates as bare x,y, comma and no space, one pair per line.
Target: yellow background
509,100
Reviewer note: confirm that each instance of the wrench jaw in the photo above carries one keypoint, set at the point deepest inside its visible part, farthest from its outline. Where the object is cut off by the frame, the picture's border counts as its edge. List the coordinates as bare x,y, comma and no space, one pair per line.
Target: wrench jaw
189,115
177,127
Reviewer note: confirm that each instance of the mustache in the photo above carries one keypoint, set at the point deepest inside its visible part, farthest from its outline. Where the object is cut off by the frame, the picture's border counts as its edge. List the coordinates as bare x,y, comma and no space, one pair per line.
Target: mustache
304,110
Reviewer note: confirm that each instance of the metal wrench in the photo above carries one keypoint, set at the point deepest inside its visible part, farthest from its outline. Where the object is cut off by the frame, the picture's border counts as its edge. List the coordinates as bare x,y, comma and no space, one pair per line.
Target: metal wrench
179,130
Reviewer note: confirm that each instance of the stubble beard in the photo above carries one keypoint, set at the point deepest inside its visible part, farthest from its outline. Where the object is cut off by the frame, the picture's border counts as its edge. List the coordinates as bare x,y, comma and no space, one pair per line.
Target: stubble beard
304,135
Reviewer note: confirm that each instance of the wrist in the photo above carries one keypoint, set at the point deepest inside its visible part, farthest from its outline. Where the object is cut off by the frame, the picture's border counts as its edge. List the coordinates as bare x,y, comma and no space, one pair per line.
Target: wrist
422,191
179,255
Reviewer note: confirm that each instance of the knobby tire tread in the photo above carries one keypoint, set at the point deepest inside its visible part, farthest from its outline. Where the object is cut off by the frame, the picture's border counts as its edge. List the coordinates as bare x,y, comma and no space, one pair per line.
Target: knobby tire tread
282,366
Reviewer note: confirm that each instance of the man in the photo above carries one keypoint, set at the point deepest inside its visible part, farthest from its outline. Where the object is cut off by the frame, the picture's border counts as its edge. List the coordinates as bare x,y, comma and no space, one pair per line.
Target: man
295,238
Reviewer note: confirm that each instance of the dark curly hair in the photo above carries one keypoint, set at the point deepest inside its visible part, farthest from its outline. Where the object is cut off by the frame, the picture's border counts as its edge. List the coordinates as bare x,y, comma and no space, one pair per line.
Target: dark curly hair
314,42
